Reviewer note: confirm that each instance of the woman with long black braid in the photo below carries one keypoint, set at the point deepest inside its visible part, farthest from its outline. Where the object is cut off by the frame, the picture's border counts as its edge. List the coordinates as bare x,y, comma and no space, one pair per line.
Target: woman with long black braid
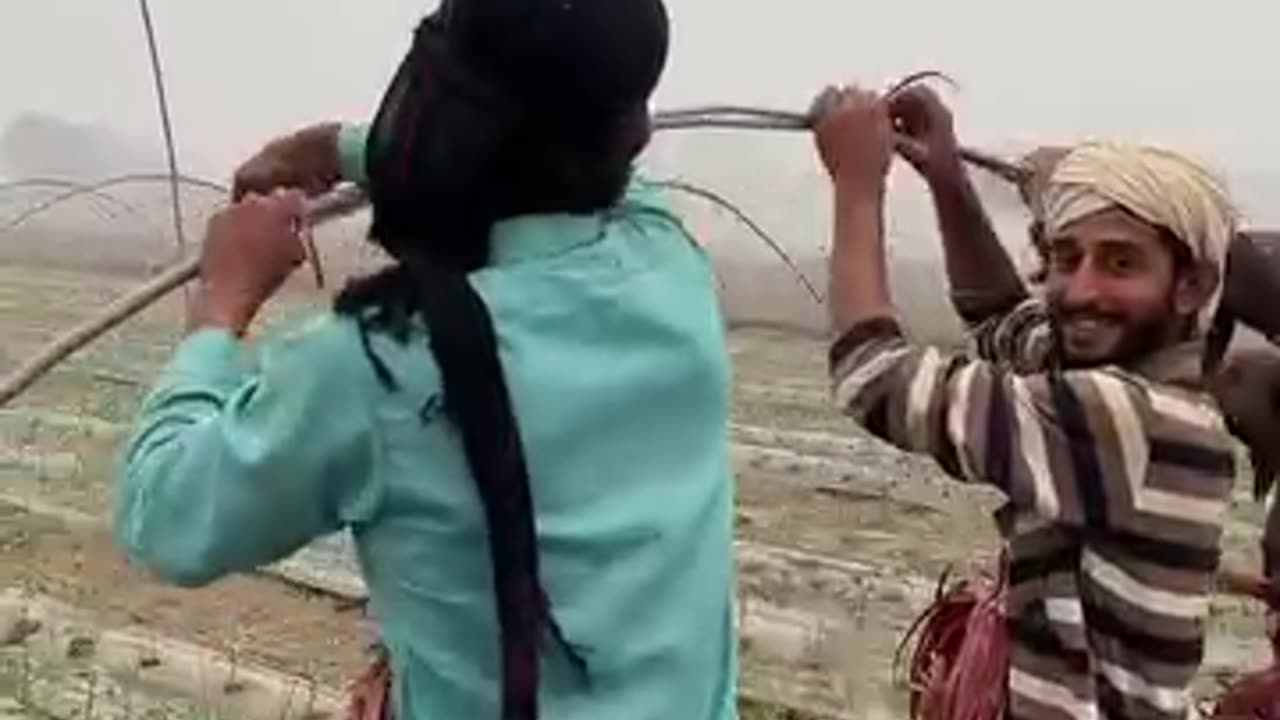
523,420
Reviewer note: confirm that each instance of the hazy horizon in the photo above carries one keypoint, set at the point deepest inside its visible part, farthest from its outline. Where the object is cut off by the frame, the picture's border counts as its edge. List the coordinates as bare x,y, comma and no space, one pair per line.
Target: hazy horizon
240,72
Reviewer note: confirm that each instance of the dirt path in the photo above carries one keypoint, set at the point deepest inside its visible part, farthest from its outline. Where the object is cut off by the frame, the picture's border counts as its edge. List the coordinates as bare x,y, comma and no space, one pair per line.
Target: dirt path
258,620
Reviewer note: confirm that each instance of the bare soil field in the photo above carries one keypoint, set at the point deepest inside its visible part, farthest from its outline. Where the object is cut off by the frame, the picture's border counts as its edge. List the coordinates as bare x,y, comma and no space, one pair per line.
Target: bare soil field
841,541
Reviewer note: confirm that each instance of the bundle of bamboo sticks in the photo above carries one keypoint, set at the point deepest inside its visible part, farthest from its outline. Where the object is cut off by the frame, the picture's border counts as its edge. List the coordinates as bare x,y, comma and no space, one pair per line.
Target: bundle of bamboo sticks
349,199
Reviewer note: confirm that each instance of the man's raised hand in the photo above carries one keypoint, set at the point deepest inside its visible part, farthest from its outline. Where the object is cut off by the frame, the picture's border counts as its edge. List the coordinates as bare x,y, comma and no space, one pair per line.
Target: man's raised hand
854,135
307,160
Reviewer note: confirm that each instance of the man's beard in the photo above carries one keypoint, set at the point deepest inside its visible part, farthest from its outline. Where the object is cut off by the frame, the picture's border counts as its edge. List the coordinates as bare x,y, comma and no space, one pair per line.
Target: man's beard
1089,336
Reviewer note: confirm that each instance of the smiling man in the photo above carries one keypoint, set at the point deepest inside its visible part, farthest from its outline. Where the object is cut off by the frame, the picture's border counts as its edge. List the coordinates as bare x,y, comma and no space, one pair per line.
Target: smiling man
1087,410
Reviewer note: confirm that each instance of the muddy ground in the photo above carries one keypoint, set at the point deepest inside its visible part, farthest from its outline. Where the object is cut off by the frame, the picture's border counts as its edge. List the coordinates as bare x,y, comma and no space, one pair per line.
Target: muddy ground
841,540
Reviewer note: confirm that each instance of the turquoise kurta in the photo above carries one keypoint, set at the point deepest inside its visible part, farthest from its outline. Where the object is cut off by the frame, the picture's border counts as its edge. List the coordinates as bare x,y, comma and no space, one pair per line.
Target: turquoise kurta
612,342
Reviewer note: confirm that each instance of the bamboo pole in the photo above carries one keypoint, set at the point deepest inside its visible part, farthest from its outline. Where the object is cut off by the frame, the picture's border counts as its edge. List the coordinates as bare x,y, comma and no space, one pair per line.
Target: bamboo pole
341,202
166,126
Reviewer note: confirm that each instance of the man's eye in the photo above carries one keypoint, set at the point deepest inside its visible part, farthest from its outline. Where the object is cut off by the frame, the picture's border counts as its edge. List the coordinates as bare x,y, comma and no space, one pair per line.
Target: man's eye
1064,260
1122,264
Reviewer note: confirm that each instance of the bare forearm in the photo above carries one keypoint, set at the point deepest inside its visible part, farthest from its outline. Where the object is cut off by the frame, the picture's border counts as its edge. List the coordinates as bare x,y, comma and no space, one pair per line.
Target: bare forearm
859,283
316,153
977,265
309,159
209,308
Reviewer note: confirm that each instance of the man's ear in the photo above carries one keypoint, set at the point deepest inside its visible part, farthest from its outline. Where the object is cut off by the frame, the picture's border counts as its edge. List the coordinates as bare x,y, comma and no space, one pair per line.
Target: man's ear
1195,288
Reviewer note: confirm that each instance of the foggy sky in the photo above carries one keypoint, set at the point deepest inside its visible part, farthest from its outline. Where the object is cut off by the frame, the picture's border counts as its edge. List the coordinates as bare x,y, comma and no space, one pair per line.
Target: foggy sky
240,71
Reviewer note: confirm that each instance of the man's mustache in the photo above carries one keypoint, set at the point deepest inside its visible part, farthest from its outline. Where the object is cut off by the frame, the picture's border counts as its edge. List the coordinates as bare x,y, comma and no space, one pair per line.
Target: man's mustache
1071,313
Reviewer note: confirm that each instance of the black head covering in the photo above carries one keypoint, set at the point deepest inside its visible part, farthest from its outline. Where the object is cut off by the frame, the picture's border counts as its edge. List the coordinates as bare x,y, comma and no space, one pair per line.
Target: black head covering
494,99
572,61
501,107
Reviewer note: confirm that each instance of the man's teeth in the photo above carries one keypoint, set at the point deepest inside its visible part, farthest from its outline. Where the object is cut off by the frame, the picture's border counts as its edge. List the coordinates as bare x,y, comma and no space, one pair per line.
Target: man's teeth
1087,325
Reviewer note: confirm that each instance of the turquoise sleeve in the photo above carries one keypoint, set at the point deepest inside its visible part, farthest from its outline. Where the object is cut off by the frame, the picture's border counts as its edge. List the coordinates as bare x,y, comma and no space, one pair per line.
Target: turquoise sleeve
351,152
237,462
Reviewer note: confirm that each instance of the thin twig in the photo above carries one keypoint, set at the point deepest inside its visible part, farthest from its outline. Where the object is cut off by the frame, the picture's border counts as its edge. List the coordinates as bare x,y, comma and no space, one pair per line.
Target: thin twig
742,217
918,77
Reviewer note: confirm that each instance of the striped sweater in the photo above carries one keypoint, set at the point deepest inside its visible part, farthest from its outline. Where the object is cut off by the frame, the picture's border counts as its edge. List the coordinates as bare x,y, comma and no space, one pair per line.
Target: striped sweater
1117,483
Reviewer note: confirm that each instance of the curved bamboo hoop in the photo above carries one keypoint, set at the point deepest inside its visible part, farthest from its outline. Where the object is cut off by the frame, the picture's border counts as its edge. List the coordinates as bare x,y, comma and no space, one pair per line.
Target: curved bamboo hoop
338,203
75,190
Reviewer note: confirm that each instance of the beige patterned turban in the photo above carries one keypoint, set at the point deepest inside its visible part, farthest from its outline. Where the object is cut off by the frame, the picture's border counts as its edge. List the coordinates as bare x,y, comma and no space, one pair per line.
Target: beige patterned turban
1159,186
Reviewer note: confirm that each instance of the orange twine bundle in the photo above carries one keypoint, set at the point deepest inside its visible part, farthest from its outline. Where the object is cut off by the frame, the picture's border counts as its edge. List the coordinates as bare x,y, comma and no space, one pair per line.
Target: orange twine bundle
960,666
370,695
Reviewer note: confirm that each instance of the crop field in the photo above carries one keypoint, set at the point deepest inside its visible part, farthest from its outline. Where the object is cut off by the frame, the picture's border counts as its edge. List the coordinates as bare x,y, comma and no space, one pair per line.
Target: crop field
841,542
